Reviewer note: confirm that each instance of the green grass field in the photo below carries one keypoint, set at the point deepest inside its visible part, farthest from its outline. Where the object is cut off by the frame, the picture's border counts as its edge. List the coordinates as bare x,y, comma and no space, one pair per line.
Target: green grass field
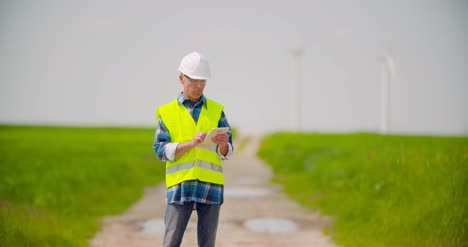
56,183
380,190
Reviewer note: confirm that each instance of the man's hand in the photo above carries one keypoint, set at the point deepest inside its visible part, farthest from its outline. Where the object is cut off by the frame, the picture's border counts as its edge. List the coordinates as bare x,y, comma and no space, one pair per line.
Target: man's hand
186,146
199,138
222,142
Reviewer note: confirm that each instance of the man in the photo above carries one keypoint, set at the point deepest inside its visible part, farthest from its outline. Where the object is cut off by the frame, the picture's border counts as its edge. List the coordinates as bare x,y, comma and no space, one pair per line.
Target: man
194,172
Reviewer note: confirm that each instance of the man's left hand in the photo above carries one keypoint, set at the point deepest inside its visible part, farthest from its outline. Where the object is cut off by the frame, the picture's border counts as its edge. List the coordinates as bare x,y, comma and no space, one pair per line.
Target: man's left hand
221,140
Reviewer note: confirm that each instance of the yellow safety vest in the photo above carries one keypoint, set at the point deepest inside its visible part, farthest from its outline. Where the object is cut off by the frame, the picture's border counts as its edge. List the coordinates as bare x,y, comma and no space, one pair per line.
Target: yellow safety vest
201,162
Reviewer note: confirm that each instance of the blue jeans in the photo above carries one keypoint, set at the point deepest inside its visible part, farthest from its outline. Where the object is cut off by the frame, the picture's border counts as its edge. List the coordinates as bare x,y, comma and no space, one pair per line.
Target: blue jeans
177,217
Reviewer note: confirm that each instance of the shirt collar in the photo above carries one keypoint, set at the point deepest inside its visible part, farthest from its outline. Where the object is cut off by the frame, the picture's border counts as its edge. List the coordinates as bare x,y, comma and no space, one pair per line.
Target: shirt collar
181,100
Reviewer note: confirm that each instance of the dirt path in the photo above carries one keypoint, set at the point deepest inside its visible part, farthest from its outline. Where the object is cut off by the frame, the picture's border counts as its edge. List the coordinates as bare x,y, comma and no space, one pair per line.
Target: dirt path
255,213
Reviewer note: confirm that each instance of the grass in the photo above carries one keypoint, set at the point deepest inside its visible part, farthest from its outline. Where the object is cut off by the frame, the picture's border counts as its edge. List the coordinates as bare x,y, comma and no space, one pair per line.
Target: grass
381,190
56,183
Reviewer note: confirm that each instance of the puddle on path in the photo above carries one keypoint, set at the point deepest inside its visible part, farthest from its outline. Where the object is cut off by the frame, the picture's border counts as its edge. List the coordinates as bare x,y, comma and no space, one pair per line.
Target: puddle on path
271,225
153,226
245,192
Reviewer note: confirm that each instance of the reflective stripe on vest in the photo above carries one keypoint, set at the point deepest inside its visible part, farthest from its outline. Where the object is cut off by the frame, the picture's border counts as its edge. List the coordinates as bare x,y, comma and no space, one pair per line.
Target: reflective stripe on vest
199,163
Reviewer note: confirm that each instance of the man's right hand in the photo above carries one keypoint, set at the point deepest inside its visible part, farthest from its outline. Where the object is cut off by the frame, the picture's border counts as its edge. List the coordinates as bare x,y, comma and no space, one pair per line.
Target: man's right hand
199,138
186,146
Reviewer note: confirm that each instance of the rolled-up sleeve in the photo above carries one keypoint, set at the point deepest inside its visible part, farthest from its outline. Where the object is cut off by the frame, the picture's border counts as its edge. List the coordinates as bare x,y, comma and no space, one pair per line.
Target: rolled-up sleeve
163,147
223,122
229,153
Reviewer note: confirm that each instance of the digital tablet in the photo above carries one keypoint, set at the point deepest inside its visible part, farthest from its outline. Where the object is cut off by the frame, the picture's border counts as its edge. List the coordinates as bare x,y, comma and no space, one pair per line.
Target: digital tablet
214,132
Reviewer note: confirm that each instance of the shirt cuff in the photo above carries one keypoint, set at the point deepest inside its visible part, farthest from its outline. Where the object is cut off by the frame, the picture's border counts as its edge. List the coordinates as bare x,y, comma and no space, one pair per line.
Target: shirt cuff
229,153
171,150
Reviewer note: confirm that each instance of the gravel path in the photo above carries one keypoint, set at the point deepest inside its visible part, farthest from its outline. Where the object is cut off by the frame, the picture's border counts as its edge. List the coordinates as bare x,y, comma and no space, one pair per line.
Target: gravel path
255,213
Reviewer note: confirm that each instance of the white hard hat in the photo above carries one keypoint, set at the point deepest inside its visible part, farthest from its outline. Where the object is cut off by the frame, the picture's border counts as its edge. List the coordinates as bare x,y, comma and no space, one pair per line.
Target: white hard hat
195,66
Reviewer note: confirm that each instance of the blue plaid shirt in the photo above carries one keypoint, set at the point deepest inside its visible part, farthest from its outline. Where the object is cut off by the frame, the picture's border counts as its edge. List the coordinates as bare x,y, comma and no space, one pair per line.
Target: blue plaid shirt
195,190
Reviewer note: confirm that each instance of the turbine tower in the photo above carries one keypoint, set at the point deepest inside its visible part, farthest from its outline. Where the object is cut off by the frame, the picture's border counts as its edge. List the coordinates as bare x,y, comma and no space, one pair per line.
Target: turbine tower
296,118
388,70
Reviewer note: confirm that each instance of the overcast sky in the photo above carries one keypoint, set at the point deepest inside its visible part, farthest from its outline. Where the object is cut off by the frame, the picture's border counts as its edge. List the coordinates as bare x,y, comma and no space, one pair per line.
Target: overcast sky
108,62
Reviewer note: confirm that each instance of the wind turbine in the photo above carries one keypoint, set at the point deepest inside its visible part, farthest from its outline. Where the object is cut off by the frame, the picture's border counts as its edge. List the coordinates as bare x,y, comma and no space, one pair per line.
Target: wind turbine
296,118
388,71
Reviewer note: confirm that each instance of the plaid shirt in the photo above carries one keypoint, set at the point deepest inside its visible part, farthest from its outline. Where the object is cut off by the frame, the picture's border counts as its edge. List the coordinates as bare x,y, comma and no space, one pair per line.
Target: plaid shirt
190,191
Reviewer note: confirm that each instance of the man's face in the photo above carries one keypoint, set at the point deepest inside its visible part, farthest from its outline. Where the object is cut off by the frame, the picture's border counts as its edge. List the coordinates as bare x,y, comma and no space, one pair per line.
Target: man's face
193,89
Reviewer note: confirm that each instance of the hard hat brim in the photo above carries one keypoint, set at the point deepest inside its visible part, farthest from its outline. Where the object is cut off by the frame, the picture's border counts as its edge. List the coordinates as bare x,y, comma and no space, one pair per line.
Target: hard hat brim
194,76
